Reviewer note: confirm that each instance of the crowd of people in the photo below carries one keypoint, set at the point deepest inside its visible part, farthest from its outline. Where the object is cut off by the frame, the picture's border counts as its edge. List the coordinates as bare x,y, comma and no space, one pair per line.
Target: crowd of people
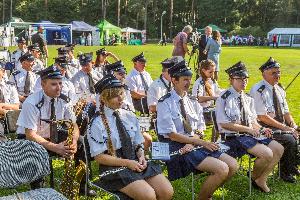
258,124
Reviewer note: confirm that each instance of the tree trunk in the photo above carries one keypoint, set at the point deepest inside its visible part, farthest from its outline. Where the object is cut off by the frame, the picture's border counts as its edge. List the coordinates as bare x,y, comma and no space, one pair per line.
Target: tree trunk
125,12
171,19
3,7
137,20
193,14
103,8
118,12
146,13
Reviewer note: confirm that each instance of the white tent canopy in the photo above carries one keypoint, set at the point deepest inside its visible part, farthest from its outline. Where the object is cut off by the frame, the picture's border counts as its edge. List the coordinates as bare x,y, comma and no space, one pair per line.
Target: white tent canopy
286,36
130,30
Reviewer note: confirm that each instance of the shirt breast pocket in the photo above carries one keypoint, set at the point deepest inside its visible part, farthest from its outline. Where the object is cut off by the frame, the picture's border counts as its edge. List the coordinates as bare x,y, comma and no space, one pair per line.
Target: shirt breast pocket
131,130
176,117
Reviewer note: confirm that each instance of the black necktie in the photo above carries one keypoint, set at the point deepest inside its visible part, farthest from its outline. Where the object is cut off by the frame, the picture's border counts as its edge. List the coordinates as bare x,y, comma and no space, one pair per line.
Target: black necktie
244,121
277,107
145,85
27,84
127,147
53,126
91,83
186,125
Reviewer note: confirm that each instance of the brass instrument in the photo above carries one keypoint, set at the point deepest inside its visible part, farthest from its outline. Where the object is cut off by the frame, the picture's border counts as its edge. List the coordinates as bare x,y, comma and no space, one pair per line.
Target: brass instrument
73,175
80,104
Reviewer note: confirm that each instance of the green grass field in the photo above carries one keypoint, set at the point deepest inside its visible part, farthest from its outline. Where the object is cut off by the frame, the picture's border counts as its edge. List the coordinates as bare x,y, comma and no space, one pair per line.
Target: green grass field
253,57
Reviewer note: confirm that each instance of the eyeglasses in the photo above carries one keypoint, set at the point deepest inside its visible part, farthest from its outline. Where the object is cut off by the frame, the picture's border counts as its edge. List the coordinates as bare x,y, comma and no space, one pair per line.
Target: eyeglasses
240,78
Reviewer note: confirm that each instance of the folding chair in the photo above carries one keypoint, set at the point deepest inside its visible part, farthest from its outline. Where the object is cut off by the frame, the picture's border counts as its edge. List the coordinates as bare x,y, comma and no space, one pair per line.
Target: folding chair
15,172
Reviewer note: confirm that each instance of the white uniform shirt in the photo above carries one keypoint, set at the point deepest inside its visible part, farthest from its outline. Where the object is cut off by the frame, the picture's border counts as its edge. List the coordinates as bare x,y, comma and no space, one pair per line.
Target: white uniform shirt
156,90
134,81
170,119
30,116
199,90
81,83
98,137
73,67
228,109
38,65
262,92
68,88
19,78
9,91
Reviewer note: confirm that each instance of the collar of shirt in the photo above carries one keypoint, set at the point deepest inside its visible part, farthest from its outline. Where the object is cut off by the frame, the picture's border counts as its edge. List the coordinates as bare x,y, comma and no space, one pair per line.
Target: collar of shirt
268,85
108,111
47,98
165,80
176,97
137,72
235,94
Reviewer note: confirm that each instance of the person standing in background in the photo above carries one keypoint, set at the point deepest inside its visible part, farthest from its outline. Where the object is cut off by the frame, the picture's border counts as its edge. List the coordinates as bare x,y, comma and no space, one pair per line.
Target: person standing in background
180,42
202,43
213,50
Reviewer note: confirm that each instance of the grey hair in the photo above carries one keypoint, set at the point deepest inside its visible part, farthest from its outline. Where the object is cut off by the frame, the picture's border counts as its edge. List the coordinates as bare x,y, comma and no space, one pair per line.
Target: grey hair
208,27
187,28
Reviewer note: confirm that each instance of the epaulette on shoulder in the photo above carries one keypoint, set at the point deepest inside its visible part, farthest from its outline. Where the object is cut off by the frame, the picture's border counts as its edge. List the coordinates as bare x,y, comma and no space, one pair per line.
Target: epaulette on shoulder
164,97
15,51
16,72
261,88
10,83
65,98
194,98
226,94
40,104
201,82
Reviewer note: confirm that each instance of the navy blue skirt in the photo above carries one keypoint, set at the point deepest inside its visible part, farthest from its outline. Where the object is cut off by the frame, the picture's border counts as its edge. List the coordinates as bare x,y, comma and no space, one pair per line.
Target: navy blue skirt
240,145
182,165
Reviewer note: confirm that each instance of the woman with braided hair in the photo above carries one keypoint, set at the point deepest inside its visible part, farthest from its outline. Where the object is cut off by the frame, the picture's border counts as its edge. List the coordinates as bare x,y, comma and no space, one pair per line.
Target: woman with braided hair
116,141
206,88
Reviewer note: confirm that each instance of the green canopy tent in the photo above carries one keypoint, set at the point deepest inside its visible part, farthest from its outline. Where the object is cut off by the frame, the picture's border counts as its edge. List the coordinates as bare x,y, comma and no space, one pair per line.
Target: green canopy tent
214,28
106,30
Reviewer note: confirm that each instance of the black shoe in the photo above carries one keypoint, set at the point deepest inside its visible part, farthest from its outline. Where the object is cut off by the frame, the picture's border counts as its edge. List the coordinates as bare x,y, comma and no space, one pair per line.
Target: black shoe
288,178
90,192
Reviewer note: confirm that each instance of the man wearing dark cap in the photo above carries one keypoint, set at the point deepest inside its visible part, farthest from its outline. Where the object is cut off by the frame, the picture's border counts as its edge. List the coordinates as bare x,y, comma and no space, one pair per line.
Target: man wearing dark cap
138,82
71,69
238,126
68,88
272,111
34,49
47,104
39,38
179,123
22,49
25,78
162,85
85,79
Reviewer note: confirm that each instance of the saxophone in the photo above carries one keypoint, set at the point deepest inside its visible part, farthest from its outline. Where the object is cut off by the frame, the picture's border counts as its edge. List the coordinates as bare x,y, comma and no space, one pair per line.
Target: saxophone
70,184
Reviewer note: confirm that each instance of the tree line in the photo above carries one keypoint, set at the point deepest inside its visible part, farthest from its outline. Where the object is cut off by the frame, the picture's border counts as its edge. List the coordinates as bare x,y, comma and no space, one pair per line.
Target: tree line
258,16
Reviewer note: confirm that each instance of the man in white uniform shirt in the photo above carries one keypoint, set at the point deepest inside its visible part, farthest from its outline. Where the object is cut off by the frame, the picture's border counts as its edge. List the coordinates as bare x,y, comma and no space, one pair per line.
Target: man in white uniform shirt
138,82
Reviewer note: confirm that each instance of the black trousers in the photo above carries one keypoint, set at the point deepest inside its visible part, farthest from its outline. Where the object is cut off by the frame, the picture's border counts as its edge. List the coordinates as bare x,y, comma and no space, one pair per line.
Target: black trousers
289,157
141,105
79,155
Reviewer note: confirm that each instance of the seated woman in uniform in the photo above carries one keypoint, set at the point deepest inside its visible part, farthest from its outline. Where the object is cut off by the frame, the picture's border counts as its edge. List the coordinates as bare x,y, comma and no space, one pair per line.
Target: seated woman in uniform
116,141
179,123
206,89
235,114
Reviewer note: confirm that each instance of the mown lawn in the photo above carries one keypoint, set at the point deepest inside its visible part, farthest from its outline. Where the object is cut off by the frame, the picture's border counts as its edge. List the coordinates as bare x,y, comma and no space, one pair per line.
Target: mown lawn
253,57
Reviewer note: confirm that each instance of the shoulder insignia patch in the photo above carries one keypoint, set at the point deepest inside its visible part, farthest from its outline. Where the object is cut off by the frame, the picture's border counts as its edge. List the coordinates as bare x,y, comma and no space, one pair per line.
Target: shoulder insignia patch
16,72
164,97
65,98
226,94
261,88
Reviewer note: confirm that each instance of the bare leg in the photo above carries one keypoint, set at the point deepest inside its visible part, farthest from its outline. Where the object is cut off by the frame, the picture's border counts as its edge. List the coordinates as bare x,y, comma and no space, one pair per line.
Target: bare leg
161,186
216,75
232,164
277,150
148,141
264,157
218,173
139,190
